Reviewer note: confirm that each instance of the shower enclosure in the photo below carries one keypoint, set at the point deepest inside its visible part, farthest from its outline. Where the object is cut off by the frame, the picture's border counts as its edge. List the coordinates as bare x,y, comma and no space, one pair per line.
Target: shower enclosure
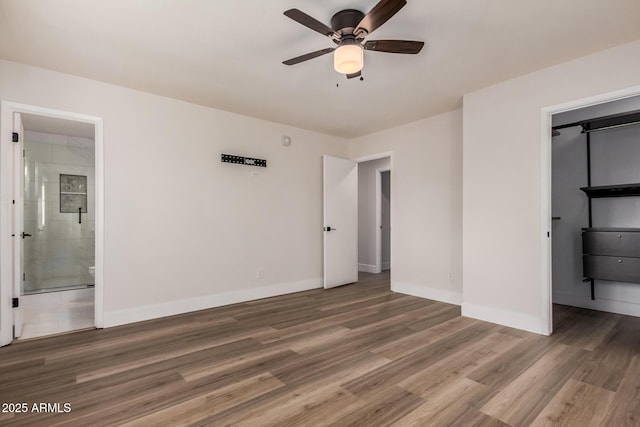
59,218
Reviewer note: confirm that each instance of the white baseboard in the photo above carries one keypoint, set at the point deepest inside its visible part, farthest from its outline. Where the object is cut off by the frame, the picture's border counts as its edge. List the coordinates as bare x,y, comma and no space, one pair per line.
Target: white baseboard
386,265
600,304
442,295
368,268
155,311
503,317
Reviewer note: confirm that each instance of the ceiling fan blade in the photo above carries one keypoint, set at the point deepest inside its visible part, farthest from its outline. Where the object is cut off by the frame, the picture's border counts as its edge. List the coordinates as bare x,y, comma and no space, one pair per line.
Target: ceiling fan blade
308,56
377,16
312,23
394,46
354,75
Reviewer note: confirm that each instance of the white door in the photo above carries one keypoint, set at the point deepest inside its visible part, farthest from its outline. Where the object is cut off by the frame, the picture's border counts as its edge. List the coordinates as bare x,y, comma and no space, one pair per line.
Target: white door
340,193
18,223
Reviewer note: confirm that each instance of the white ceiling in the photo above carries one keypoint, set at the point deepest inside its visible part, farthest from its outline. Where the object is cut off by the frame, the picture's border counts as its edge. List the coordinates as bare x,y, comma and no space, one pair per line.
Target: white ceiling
37,123
227,54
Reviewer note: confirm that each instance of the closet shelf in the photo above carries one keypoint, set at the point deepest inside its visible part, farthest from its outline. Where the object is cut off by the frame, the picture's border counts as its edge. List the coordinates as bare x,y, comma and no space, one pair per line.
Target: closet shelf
621,190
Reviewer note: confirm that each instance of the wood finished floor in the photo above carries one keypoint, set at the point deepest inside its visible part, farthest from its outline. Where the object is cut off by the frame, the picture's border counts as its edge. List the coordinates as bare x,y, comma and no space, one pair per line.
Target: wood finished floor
355,355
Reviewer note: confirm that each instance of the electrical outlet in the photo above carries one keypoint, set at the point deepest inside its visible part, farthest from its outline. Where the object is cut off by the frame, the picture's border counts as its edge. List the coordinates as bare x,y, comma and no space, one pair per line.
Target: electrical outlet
259,273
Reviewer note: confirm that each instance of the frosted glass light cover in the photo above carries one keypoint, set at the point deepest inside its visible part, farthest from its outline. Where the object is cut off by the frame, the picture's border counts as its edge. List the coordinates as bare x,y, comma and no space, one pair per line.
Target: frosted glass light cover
348,59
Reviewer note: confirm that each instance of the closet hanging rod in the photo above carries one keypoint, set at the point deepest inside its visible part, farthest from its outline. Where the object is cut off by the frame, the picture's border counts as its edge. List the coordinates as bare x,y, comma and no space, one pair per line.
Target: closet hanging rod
612,127
568,125
605,122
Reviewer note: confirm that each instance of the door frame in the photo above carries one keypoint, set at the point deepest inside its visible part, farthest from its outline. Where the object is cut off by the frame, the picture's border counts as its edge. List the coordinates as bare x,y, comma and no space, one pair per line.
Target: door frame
8,213
546,117
379,172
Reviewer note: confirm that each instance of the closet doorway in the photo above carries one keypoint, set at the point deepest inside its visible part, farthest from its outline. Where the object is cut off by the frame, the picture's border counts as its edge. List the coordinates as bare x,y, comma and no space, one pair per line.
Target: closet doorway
595,209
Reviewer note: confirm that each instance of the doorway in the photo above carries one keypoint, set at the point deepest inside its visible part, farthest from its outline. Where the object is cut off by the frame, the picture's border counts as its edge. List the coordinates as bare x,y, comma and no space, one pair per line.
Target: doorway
563,268
374,215
596,208
55,246
385,220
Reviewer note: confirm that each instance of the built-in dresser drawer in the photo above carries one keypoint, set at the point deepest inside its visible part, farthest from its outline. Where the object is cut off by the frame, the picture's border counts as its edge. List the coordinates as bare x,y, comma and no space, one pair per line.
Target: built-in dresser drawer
613,243
619,269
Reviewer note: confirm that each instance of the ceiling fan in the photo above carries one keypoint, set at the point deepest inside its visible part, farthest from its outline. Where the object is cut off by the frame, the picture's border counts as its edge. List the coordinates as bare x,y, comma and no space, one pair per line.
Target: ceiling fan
348,30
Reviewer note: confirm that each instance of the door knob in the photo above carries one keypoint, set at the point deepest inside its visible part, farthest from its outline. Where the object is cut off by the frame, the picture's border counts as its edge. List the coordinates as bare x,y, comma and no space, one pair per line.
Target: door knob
25,235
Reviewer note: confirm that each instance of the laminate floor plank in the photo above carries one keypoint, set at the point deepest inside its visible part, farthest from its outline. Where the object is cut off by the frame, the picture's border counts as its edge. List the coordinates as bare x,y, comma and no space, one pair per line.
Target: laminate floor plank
406,310
444,314
431,380
520,402
383,409
419,339
512,363
292,331
369,296
209,404
590,332
624,410
300,407
315,315
446,407
87,399
327,379
576,404
608,364
353,355
404,367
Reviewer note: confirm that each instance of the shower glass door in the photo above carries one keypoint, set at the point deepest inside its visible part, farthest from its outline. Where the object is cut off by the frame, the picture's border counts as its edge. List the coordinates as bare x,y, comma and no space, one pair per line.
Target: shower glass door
58,240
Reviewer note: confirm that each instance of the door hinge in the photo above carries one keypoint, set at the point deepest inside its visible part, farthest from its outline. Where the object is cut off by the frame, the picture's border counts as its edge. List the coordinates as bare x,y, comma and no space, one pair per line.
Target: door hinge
13,202
14,137
548,235
23,153
15,302
24,276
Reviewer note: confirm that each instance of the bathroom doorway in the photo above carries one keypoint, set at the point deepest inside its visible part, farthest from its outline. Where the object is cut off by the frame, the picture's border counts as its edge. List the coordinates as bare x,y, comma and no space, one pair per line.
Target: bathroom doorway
58,241
51,261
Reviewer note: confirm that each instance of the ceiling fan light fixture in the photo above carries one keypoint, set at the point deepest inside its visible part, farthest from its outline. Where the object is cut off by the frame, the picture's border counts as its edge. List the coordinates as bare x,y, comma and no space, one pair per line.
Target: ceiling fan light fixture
348,58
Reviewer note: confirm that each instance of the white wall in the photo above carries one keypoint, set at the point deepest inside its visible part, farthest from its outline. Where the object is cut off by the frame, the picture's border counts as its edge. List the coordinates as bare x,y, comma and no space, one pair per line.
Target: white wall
367,212
184,231
502,236
426,204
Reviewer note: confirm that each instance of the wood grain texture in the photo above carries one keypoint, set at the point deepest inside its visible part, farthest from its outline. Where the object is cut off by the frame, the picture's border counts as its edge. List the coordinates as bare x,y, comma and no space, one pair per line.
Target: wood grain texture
523,398
625,408
576,404
354,355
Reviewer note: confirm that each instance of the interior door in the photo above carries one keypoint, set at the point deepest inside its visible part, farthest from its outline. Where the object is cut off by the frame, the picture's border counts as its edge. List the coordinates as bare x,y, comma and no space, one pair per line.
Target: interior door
340,194
18,226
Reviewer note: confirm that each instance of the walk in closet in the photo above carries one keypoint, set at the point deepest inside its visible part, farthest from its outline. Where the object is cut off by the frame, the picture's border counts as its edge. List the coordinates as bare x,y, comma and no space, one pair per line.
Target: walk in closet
596,207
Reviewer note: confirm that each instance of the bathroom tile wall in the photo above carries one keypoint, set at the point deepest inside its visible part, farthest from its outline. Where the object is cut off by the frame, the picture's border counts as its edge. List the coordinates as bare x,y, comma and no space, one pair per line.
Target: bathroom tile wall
61,249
